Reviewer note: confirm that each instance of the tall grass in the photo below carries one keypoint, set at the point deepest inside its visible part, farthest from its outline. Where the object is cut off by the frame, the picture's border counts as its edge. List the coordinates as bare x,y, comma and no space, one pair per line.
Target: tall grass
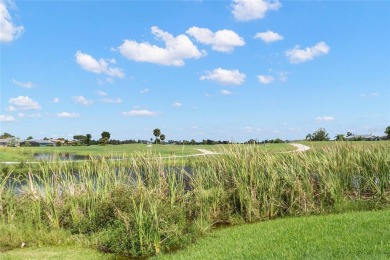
142,204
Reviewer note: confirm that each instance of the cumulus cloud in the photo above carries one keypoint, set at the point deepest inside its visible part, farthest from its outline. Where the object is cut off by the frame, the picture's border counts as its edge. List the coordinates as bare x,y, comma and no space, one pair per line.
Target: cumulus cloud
297,55
177,104
112,101
142,112
222,40
225,77
6,118
246,10
82,100
68,115
101,93
55,100
176,49
8,30
23,84
36,115
269,36
325,118
143,91
225,92
264,79
89,63
23,103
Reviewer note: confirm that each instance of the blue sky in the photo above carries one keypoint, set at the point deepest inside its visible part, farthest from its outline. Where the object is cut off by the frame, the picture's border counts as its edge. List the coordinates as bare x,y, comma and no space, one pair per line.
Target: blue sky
224,70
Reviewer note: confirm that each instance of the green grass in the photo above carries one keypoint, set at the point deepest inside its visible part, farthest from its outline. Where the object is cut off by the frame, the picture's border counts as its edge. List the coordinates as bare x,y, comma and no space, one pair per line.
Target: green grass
318,146
55,253
359,235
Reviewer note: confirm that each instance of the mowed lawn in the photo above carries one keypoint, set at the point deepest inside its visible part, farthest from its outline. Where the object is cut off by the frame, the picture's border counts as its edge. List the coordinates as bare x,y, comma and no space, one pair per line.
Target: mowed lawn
17,154
318,146
355,235
358,235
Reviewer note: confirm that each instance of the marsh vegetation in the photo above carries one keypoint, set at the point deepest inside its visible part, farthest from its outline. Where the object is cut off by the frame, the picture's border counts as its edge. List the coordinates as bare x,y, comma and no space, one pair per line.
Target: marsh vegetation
141,207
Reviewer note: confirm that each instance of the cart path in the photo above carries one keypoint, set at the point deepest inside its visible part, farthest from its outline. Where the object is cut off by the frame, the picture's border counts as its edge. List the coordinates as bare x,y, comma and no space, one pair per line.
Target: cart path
301,147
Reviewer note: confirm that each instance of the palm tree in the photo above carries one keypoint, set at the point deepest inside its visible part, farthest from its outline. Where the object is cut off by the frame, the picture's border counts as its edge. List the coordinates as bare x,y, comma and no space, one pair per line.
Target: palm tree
162,137
156,133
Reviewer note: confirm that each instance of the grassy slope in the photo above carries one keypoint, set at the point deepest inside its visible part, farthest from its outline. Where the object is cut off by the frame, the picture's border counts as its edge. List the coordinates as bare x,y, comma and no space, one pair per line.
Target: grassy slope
320,145
358,235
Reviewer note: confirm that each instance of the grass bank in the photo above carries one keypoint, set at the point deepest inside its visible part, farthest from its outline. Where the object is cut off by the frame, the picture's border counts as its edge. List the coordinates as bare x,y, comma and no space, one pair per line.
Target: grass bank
142,207
354,235
361,235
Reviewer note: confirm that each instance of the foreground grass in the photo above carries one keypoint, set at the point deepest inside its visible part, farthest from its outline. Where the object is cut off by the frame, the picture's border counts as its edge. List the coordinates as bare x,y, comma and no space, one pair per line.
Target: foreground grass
361,235
57,253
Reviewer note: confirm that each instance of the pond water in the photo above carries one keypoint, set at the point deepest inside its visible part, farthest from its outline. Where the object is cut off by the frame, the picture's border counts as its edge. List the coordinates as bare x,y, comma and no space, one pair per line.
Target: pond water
60,156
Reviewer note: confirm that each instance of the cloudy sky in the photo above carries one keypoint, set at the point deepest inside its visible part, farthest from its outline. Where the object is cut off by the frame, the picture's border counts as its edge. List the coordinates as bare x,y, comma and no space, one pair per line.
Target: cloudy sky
228,70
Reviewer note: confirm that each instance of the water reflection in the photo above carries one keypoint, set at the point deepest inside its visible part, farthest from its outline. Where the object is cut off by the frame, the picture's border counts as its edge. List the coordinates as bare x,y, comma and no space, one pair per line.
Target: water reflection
60,156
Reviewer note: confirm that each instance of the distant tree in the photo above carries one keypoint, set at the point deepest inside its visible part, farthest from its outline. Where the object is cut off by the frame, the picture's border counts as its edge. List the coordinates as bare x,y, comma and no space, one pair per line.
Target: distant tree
349,134
193,142
58,143
5,136
106,134
162,137
13,142
156,133
103,140
339,137
29,138
320,135
88,139
309,137
387,132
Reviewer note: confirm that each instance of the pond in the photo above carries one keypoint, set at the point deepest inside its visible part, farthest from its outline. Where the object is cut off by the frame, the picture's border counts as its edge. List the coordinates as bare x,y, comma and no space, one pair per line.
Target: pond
59,156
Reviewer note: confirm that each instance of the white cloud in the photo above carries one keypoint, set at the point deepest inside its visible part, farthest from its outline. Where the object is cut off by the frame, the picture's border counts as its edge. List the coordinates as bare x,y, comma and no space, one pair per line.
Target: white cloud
222,40
23,103
101,93
142,112
264,79
89,63
36,115
297,55
23,84
225,77
374,94
269,36
176,49
6,118
246,10
325,118
82,100
283,76
177,104
112,101
225,92
143,91
8,30
68,115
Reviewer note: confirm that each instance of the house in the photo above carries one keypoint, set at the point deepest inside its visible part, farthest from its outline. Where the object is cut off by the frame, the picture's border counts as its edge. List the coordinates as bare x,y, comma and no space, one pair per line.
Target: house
4,142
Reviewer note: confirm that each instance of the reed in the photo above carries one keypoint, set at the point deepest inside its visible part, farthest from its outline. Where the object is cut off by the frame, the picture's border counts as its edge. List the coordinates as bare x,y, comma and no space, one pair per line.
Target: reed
141,204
